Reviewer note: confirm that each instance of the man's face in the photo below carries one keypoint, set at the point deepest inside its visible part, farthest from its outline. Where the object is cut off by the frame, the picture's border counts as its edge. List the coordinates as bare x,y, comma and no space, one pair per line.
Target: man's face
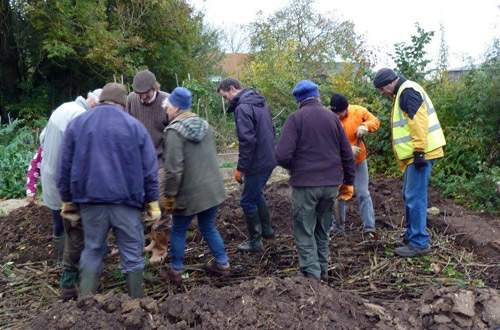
341,114
146,97
230,94
388,90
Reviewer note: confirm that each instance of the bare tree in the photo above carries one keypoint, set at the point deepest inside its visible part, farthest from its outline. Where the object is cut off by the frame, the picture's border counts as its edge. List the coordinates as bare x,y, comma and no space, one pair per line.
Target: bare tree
235,38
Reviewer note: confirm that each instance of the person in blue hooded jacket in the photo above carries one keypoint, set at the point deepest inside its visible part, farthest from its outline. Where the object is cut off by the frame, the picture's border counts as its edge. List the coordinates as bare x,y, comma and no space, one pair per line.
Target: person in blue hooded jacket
256,159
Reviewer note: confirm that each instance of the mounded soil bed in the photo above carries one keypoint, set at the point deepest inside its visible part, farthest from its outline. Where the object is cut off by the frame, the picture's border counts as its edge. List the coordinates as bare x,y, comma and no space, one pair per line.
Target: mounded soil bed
455,287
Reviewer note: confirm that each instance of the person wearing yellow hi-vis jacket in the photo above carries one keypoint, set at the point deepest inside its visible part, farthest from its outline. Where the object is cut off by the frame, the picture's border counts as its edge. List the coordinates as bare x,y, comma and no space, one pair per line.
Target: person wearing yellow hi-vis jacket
417,141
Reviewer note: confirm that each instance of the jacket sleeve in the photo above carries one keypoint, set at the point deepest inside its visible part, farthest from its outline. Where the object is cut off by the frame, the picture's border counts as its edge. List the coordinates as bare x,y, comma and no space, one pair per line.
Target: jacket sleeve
419,127
370,121
348,162
33,172
173,162
287,144
149,168
246,137
64,164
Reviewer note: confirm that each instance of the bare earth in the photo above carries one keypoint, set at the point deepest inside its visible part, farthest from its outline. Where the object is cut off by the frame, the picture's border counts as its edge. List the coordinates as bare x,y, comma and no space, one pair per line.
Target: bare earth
456,287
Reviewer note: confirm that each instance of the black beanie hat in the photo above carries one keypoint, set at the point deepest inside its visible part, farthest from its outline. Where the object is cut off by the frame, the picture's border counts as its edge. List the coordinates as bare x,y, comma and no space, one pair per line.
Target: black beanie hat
384,77
114,92
338,102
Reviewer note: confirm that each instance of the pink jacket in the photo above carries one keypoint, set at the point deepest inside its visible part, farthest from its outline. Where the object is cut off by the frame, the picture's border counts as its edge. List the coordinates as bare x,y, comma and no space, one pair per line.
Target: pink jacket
34,172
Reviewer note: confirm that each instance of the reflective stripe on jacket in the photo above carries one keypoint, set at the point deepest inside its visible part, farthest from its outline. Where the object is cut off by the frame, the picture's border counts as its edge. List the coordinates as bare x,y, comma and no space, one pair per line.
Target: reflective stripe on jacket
402,139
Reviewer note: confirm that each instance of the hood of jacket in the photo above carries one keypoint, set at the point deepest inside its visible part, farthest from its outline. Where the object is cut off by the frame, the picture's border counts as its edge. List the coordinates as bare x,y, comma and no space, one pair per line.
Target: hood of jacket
82,102
190,126
246,96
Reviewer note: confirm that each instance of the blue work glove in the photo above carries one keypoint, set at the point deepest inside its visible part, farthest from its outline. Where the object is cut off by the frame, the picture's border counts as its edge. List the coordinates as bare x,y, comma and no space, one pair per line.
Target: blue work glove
419,160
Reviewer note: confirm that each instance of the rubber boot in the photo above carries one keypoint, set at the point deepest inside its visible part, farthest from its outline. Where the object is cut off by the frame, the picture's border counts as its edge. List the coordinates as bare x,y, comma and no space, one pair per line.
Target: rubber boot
253,224
265,221
134,284
88,283
68,286
160,247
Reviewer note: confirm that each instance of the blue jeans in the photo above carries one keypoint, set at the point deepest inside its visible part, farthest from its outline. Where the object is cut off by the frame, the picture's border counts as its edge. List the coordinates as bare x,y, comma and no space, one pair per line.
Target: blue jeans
126,222
58,223
252,191
364,199
206,223
415,197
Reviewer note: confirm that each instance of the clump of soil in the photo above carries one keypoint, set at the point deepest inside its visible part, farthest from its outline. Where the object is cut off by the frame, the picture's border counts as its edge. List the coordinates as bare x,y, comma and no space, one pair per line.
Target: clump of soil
27,236
366,288
270,303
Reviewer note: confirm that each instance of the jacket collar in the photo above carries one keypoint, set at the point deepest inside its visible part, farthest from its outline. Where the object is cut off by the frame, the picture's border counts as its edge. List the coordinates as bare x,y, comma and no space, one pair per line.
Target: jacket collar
236,100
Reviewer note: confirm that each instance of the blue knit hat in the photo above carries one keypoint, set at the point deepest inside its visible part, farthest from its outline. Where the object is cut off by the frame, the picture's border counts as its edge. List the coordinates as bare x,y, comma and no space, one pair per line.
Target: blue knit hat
181,97
305,89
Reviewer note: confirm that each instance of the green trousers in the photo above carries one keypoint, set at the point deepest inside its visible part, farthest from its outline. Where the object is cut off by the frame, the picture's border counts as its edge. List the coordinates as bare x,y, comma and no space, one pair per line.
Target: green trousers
73,245
312,211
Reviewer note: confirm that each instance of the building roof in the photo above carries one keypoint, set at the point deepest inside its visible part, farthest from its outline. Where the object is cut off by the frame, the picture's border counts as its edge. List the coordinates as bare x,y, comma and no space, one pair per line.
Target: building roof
234,64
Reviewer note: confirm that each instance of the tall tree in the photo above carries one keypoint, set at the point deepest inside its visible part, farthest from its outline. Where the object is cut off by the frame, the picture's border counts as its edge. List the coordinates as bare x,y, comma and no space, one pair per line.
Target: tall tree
297,43
68,47
442,63
316,40
9,58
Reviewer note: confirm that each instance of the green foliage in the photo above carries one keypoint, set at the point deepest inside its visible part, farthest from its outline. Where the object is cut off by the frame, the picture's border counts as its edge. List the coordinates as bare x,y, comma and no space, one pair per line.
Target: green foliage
228,165
469,113
297,43
410,59
208,104
67,48
17,145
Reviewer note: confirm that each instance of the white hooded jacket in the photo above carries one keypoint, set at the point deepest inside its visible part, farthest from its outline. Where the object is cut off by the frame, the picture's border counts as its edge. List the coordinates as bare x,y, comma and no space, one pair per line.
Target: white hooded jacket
51,138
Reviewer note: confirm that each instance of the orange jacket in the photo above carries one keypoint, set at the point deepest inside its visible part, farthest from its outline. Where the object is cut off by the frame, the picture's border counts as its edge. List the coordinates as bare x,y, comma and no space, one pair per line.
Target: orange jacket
356,116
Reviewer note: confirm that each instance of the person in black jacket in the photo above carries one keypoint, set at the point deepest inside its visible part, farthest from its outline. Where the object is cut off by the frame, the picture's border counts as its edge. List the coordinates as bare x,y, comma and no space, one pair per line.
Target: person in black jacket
256,159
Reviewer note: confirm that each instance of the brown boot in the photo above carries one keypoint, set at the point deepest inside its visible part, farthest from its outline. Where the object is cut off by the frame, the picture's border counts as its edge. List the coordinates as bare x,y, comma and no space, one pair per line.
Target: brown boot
151,245
216,269
160,247
174,276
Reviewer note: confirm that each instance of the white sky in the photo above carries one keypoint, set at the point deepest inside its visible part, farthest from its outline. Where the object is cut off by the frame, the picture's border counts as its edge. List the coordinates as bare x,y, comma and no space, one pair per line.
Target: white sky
469,26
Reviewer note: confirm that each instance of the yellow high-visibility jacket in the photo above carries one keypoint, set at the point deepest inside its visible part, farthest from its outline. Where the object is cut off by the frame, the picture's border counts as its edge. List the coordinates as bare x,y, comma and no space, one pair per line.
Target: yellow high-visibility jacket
422,133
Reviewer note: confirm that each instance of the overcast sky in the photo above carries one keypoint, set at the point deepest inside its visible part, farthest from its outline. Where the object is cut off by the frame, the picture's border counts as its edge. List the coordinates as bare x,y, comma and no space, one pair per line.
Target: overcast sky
470,26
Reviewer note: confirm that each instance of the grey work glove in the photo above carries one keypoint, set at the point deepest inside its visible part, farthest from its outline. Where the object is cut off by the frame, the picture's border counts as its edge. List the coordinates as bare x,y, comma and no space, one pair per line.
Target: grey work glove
361,131
355,150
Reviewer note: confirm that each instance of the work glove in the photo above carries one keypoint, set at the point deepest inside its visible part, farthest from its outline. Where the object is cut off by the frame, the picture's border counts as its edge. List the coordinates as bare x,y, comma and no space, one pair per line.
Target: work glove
361,131
153,210
345,192
71,212
355,150
419,160
238,176
168,203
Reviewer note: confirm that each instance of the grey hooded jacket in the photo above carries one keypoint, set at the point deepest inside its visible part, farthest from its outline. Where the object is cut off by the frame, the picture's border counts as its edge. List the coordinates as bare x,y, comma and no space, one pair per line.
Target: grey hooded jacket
192,172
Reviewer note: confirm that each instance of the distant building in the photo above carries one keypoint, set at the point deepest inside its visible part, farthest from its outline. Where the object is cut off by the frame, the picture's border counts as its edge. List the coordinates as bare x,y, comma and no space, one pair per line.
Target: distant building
232,65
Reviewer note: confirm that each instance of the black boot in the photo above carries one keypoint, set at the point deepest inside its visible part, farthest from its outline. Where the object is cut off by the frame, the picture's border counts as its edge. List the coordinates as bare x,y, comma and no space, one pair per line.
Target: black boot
134,284
265,221
253,224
